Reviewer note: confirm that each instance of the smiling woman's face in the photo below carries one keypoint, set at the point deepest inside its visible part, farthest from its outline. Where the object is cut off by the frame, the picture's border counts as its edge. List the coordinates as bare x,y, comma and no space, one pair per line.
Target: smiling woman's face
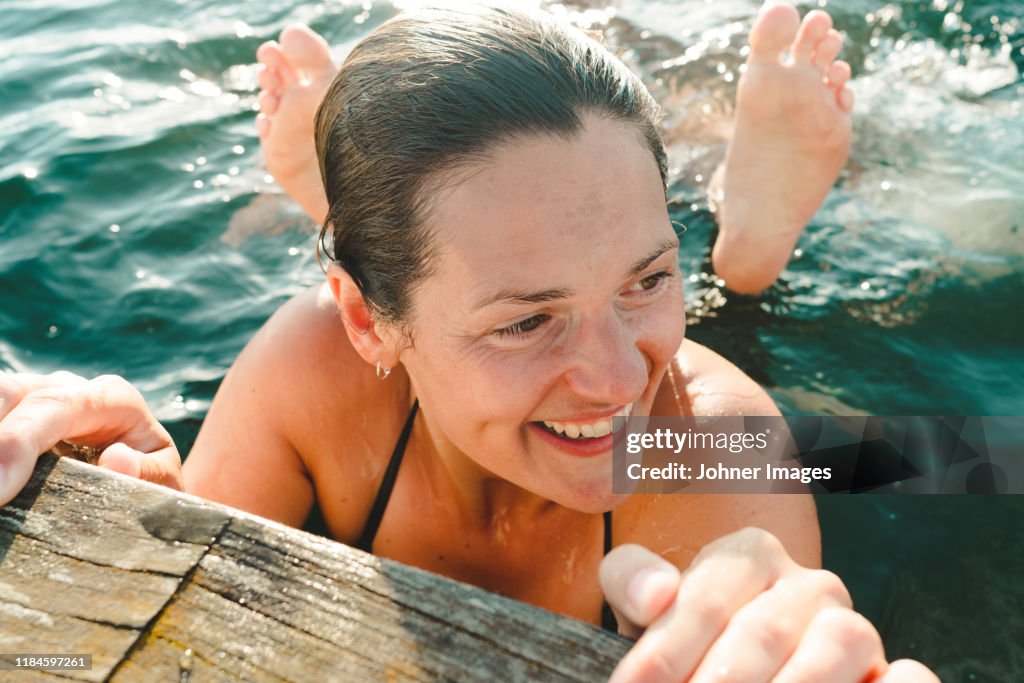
556,298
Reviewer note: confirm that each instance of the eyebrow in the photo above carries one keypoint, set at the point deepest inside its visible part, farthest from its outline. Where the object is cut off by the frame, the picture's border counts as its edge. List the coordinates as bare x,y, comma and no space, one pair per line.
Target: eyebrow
666,246
520,297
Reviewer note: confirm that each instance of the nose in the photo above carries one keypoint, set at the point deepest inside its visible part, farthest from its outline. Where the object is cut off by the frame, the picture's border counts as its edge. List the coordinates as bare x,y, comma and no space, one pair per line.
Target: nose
607,366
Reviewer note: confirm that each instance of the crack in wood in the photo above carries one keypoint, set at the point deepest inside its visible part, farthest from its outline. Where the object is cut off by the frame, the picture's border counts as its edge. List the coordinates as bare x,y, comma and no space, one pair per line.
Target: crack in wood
182,584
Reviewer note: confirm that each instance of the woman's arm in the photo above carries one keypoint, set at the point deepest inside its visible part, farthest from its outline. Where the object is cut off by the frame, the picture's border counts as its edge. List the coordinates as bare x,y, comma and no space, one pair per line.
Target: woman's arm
701,382
728,587
243,456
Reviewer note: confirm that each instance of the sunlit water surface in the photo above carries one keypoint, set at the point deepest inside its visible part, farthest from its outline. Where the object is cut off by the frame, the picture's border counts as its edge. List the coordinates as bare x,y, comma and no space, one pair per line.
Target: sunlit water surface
140,235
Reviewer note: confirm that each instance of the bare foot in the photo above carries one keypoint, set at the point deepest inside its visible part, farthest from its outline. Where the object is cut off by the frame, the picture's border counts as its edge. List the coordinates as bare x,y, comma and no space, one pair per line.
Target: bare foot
296,73
791,139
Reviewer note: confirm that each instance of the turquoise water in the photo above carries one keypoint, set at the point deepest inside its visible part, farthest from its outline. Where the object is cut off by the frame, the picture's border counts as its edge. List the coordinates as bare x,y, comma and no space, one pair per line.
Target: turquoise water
140,236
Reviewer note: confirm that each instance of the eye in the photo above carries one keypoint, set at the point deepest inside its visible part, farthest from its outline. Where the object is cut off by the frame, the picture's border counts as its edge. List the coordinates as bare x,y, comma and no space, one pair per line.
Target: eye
521,328
651,282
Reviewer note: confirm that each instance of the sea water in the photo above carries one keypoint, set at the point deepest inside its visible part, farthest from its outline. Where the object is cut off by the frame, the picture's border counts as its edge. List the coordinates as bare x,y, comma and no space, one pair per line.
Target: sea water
141,235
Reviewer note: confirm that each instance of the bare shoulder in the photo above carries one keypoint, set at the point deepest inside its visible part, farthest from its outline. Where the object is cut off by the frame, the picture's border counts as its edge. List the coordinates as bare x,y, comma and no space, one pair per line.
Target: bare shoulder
677,526
312,376
273,408
701,382
306,332
302,361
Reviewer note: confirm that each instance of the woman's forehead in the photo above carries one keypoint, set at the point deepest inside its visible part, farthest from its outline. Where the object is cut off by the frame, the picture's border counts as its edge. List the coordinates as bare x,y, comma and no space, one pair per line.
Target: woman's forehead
551,208
554,191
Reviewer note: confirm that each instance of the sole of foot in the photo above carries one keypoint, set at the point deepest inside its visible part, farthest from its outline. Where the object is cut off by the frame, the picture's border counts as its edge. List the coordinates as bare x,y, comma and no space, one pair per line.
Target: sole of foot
791,139
296,71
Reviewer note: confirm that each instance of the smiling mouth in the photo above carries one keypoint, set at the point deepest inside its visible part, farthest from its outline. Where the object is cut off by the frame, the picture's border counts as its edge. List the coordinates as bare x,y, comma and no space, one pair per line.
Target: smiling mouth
589,430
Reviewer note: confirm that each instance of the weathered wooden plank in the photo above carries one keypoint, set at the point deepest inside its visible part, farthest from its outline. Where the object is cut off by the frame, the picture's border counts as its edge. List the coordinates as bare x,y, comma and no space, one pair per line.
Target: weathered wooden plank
111,520
270,603
81,569
223,595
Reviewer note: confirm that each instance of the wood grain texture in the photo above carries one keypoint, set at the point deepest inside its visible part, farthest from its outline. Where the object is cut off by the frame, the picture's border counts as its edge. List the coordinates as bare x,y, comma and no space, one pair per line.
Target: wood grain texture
162,586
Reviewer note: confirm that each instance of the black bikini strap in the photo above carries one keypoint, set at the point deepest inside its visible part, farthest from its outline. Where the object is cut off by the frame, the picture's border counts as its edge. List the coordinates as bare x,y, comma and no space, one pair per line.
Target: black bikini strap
365,541
607,532
608,620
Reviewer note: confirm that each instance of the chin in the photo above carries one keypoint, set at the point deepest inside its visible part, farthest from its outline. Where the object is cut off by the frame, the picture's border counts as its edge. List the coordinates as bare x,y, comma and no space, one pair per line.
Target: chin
591,500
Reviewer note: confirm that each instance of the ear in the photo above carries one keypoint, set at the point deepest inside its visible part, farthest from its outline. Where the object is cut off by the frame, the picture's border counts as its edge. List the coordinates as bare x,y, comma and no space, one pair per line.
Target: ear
376,342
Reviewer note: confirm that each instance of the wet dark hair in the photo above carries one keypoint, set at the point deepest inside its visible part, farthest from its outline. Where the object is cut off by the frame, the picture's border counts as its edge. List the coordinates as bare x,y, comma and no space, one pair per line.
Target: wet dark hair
431,92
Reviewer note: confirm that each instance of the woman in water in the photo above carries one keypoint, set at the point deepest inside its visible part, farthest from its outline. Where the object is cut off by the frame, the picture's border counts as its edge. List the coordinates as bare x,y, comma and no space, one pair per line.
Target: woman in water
505,280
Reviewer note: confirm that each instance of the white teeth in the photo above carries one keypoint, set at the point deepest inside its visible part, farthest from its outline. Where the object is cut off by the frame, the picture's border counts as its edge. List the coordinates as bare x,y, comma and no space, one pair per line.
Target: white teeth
592,430
625,412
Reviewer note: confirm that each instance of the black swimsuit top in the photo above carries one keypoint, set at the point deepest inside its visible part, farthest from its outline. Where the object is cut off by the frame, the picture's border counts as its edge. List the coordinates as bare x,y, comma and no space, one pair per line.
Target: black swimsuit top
387,484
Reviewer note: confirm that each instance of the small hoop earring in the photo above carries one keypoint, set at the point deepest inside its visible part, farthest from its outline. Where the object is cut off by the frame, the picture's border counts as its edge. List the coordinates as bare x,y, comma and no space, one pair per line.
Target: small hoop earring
382,372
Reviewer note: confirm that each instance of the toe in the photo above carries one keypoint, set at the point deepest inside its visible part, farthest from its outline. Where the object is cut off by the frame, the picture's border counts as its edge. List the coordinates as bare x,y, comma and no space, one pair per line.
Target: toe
269,80
845,99
827,50
269,103
838,74
813,30
307,51
272,57
773,33
263,126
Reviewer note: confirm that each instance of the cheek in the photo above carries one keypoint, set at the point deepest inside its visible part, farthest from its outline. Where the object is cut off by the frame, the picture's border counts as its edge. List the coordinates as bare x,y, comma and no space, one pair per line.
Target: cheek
662,328
477,390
